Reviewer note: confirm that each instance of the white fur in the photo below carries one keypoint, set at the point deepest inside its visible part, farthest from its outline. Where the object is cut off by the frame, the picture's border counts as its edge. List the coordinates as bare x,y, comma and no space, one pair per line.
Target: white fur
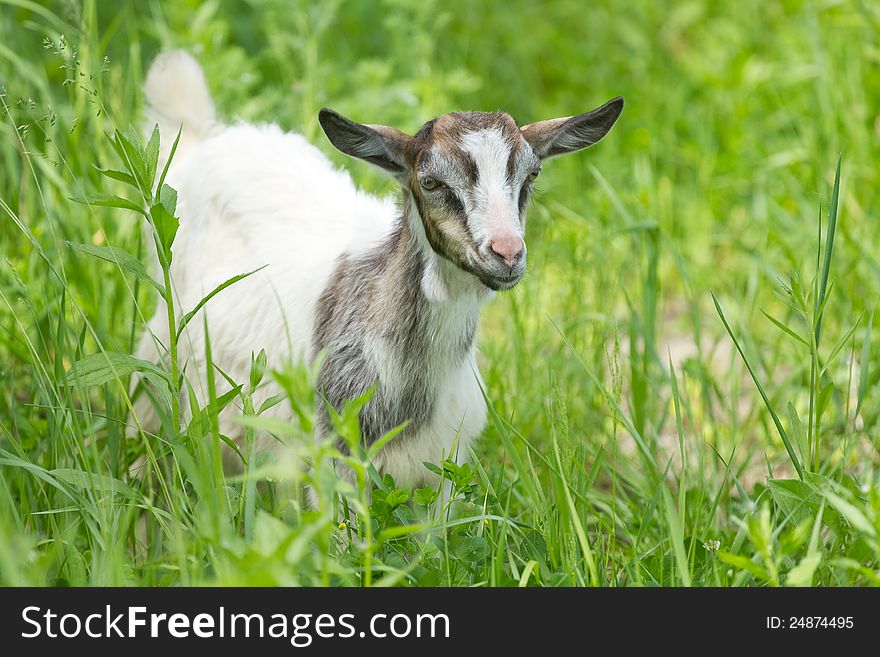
179,100
460,412
459,418
250,196
492,209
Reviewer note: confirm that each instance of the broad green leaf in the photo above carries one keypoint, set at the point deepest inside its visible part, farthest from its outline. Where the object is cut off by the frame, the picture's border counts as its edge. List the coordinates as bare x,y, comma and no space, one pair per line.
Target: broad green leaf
854,516
110,201
425,496
472,549
397,497
433,468
743,563
853,565
822,400
258,369
117,175
128,147
168,198
120,257
796,499
797,428
274,400
151,155
159,382
166,225
838,498
100,368
805,571
134,145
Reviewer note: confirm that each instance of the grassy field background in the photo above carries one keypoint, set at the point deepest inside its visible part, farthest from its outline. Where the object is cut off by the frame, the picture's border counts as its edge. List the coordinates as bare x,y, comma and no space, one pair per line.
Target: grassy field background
628,443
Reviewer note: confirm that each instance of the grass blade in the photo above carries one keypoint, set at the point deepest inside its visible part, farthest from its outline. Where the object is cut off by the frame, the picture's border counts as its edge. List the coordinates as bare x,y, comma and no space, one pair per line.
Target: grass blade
785,440
865,363
829,247
192,313
782,327
677,538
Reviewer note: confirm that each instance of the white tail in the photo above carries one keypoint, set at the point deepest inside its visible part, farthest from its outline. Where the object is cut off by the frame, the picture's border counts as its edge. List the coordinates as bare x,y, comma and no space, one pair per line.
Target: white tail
178,99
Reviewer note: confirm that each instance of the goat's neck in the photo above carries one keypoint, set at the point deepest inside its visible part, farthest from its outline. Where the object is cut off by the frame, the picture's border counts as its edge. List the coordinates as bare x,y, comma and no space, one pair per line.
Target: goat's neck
398,315
426,301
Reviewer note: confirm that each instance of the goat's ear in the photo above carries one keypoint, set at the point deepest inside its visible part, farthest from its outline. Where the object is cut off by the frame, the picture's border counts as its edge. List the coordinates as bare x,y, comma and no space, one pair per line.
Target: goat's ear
377,144
572,133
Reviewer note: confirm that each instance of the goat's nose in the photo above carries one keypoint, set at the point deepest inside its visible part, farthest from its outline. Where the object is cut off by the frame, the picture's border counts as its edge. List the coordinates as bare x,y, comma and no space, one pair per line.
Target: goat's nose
508,247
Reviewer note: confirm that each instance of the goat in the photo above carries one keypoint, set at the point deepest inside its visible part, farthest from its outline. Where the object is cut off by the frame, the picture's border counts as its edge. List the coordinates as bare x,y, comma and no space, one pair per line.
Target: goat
390,295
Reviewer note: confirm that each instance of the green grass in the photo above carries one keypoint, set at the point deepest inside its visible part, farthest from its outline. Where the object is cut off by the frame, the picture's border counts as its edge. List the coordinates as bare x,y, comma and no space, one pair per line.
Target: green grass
683,391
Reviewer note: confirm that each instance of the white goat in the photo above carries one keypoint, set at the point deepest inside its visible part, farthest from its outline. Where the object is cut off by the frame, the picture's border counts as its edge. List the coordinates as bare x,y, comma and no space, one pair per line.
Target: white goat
390,294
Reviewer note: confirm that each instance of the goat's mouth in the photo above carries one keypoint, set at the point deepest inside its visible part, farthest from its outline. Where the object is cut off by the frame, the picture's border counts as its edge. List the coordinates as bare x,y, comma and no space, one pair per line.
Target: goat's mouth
501,282
495,277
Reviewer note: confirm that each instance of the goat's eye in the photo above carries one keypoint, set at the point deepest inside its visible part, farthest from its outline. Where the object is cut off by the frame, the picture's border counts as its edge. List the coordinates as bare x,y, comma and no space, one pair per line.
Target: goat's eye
429,183
534,174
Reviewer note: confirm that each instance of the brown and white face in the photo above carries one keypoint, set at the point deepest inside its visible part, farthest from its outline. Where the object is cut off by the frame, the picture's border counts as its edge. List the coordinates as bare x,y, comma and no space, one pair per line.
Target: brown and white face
470,176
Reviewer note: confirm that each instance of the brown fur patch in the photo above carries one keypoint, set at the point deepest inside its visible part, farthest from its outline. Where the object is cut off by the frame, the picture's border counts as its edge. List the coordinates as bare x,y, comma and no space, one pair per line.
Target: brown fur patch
446,132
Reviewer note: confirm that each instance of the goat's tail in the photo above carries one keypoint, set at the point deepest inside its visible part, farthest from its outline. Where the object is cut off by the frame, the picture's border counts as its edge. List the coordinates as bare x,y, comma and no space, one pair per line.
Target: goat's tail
178,99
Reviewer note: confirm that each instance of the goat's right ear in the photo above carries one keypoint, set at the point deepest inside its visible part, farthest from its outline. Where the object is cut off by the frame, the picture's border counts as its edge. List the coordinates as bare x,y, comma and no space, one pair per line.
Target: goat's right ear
377,144
572,133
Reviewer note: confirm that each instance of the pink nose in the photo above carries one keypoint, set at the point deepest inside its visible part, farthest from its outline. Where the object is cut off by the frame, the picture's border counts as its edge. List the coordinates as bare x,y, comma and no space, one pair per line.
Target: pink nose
508,247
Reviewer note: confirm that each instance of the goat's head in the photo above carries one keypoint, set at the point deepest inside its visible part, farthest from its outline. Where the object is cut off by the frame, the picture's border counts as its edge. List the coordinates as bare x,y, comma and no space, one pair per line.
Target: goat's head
469,176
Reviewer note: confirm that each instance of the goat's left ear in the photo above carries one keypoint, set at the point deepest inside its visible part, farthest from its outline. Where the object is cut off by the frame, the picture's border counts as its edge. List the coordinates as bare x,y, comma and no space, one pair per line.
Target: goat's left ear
572,133
377,144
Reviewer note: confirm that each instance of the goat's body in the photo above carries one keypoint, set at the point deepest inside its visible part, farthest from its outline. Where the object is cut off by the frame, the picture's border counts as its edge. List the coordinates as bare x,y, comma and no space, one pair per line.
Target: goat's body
389,297
251,196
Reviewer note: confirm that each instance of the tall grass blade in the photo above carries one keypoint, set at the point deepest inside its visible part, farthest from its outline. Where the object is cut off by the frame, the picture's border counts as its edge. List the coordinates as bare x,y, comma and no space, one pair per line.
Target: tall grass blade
782,434
829,247
217,290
